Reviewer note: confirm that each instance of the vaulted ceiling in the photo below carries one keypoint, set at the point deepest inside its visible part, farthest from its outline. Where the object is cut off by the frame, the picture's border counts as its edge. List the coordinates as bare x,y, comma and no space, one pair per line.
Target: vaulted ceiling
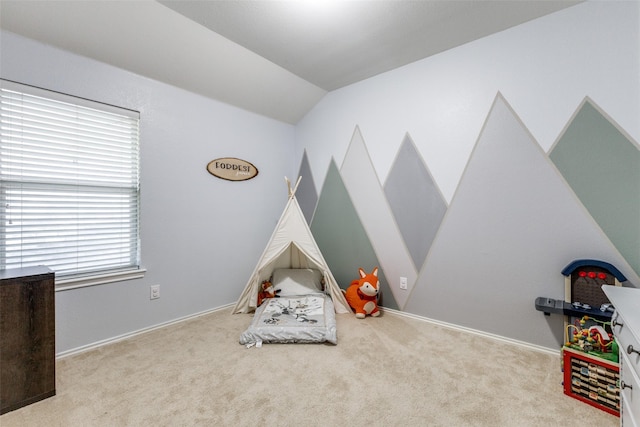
274,58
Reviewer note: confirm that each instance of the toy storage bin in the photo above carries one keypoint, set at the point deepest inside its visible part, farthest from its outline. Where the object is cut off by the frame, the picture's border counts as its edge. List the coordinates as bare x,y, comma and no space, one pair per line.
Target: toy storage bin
592,380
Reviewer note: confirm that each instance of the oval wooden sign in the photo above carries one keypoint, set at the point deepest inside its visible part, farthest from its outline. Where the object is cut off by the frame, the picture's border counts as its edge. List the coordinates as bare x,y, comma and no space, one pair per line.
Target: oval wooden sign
232,169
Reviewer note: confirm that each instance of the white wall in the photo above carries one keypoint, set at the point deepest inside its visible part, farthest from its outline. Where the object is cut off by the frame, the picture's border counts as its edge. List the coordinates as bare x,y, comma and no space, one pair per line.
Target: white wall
201,236
543,68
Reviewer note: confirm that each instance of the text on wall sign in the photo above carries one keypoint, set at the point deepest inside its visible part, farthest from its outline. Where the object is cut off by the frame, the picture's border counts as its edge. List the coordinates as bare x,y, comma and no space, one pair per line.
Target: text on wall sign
232,169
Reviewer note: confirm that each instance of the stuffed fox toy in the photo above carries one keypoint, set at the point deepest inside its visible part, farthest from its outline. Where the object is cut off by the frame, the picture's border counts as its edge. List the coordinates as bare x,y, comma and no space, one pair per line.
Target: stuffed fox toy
267,291
362,294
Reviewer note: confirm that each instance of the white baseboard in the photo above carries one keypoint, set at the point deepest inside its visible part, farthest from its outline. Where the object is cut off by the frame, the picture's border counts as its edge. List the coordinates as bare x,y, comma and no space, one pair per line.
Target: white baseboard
128,335
475,332
115,339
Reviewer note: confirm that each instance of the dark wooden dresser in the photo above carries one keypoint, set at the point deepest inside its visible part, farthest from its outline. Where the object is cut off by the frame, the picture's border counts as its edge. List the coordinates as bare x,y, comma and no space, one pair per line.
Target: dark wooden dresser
27,337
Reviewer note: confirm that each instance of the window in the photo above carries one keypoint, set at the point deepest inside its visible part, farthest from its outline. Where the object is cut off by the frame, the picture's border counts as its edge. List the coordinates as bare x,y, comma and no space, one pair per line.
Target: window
69,176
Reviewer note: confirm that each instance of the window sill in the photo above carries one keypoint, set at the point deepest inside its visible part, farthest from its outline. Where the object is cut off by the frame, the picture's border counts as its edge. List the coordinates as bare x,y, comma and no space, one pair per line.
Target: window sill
83,282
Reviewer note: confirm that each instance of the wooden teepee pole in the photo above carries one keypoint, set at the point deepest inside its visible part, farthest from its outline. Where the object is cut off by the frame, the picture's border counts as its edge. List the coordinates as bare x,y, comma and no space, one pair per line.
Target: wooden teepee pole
292,192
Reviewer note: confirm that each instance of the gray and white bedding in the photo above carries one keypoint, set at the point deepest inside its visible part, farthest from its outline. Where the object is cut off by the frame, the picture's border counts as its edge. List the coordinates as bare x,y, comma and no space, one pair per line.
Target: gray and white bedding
306,318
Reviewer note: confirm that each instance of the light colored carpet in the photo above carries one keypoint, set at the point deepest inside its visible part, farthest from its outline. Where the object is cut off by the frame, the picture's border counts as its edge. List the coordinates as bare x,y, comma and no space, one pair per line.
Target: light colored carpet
385,371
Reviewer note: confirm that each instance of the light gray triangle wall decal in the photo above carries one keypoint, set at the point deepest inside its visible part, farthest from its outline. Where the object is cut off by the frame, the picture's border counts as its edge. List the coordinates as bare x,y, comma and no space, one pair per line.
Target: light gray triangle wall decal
415,200
511,207
602,166
370,202
306,194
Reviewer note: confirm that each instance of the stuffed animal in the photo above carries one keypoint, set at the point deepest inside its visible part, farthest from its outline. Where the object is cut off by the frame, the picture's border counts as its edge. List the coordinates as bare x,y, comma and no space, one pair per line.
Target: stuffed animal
267,291
362,294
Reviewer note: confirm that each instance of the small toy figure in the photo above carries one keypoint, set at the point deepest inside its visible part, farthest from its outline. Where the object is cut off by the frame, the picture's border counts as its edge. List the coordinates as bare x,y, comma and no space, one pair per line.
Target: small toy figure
362,294
267,291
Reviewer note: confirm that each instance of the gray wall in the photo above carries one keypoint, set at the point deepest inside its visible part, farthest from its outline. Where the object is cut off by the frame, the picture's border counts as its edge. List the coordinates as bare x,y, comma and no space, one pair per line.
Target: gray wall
201,236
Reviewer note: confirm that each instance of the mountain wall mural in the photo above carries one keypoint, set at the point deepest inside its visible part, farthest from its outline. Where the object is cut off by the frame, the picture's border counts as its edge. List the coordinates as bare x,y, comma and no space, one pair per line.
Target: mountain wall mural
415,200
512,225
341,237
505,238
306,194
362,183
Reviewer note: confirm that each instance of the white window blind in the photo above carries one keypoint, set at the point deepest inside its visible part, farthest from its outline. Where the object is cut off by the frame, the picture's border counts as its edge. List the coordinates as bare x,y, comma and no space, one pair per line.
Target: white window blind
69,176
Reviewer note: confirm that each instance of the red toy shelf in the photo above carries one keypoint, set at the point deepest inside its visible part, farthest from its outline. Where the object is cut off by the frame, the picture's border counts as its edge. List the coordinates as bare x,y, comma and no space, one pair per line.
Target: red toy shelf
592,380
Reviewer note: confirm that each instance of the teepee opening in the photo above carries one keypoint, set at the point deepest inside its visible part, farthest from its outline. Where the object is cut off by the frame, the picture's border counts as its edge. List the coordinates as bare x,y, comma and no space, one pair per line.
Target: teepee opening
291,246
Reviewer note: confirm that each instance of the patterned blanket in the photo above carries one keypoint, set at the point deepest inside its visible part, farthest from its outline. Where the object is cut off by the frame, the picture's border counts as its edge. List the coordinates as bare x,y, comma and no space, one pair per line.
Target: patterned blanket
299,319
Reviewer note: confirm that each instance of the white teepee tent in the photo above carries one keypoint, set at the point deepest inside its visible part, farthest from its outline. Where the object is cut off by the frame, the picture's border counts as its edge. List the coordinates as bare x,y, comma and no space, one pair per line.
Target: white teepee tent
291,246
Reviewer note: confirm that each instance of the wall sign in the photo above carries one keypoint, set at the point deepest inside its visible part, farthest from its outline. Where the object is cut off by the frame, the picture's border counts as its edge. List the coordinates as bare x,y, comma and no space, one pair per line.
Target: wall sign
232,169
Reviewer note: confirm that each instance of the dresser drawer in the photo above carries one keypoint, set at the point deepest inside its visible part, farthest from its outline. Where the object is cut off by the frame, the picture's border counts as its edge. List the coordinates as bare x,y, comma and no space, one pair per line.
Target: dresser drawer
626,338
626,328
629,390
629,371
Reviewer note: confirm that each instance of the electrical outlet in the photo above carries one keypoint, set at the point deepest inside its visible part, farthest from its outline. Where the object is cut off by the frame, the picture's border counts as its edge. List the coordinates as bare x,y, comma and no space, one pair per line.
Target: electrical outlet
403,283
155,292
